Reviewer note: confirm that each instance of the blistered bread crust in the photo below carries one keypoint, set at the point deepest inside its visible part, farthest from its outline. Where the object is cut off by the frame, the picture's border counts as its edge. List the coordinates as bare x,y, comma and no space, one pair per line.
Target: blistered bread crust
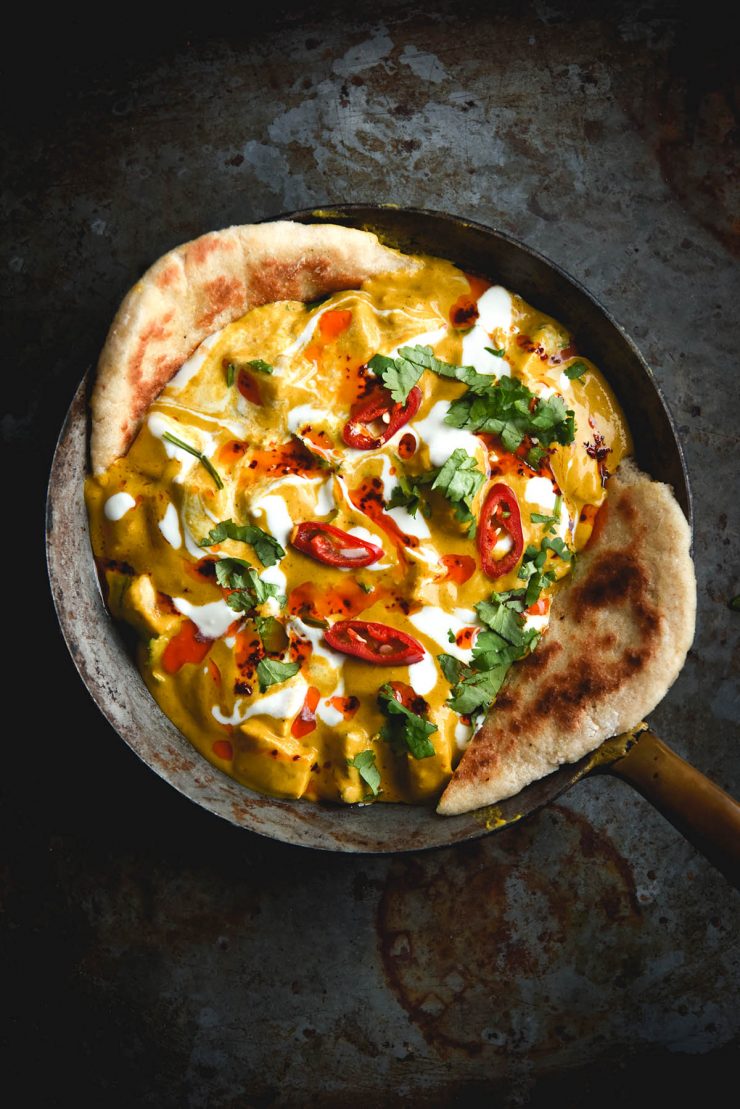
201,286
618,637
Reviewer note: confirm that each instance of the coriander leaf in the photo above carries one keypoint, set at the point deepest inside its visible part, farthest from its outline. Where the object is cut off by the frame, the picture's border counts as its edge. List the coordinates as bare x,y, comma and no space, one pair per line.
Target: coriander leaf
468,375
459,480
409,731
398,374
502,619
364,764
498,353
576,371
558,547
535,456
406,494
507,408
476,684
267,549
271,672
553,520
477,691
260,366
272,633
205,462
231,573
451,667
249,588
230,374
365,587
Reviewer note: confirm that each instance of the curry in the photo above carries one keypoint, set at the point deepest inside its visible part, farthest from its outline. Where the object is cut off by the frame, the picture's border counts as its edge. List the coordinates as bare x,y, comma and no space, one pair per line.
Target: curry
341,523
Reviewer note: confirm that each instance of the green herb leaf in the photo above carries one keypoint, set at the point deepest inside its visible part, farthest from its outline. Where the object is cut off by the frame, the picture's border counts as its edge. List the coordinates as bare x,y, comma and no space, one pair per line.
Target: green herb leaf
230,374
250,589
260,366
267,549
507,408
558,547
475,685
364,764
576,371
551,521
398,374
271,672
459,480
365,587
535,456
205,462
407,730
407,494
272,633
468,375
498,353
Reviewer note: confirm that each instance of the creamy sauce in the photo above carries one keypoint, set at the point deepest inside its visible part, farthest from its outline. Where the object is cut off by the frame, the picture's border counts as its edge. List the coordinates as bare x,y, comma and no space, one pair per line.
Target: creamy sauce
275,440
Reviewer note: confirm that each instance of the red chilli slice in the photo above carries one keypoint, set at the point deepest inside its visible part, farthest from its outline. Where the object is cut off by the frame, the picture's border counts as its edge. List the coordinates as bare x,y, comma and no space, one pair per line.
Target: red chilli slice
375,643
334,547
380,406
500,514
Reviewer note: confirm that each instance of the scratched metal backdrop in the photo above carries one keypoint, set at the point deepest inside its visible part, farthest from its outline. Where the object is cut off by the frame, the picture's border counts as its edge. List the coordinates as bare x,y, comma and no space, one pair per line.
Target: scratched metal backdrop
156,956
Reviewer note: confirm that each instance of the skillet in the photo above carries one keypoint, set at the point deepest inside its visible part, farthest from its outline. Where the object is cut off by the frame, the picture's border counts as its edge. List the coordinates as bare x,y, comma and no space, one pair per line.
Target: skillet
697,807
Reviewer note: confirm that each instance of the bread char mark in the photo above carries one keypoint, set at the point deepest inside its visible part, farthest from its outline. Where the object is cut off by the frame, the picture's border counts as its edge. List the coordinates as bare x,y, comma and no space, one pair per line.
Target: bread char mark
541,690
222,293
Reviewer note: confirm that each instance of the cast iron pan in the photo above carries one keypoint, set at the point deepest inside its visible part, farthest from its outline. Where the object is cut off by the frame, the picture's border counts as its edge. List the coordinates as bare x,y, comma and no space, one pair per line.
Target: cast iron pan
698,808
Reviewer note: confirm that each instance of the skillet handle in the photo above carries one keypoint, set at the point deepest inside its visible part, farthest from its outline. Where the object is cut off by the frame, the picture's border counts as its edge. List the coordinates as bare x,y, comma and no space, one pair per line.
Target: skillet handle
706,815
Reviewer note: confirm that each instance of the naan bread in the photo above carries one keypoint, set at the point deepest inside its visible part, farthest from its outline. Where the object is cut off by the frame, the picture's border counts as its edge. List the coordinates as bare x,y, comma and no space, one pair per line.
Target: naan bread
200,287
618,637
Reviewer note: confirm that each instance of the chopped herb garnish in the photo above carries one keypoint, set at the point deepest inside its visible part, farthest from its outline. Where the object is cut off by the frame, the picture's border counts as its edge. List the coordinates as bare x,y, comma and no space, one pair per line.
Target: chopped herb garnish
365,587
458,481
408,493
498,353
260,366
558,547
535,455
507,408
405,729
364,764
399,375
476,685
230,374
576,371
267,549
551,521
272,633
271,672
249,590
205,462
468,375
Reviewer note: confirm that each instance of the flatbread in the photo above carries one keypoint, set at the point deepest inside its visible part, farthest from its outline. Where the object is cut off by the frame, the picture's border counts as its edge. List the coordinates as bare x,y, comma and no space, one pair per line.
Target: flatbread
201,286
618,637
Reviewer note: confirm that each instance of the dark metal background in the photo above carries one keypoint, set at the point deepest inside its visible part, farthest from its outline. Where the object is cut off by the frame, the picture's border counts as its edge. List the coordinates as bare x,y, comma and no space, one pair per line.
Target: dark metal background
154,955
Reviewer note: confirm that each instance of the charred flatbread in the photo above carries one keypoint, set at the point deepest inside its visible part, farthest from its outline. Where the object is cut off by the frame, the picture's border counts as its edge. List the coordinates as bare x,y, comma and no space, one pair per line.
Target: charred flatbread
201,286
618,637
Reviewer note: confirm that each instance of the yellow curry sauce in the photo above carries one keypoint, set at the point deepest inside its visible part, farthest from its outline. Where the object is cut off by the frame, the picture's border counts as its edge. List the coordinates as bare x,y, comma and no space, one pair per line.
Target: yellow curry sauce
275,441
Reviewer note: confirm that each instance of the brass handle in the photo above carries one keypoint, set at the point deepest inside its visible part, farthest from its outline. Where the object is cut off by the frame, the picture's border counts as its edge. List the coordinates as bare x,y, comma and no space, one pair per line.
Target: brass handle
706,815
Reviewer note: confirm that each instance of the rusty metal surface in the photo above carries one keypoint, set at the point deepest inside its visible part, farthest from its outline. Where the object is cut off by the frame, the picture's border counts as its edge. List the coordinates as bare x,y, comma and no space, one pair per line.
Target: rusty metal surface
153,955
